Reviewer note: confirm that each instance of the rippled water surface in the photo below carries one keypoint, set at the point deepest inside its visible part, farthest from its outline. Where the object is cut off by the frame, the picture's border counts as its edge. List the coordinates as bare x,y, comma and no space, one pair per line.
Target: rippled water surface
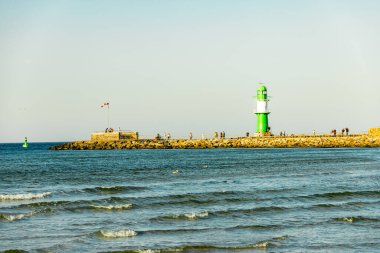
218,200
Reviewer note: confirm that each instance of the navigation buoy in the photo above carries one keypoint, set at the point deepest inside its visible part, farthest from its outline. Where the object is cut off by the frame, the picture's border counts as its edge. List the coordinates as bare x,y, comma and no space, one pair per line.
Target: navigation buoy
262,111
25,143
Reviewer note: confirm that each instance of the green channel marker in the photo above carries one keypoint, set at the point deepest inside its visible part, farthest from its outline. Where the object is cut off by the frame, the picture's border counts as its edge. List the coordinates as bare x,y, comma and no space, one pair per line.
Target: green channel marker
262,110
25,143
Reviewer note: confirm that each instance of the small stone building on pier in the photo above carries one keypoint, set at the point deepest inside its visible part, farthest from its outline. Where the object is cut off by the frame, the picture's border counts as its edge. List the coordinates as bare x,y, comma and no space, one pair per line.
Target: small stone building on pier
114,136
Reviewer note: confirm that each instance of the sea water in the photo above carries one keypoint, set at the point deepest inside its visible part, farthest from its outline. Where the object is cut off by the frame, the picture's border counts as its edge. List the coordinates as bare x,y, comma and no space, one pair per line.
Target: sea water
199,200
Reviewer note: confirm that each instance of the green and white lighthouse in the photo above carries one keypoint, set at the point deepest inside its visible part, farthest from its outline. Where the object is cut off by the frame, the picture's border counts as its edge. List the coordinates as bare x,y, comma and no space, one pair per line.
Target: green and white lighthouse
262,111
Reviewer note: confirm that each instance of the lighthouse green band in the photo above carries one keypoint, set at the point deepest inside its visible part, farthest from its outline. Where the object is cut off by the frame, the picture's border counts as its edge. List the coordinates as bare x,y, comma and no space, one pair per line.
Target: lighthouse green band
262,122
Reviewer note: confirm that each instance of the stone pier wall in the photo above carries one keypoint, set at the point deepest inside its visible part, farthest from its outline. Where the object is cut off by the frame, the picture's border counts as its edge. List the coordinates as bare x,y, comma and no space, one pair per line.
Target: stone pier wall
250,142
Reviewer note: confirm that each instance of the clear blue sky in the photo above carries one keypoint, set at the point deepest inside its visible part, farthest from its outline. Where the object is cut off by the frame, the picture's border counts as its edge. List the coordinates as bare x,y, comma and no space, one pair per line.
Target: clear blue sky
181,66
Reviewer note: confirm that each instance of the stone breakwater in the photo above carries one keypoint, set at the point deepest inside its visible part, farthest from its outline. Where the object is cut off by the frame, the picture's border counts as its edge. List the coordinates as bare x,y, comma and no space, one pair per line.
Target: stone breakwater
355,141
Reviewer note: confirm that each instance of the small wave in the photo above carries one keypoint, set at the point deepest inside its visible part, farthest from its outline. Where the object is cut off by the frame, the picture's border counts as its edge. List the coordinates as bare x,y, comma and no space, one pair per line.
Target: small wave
194,199
280,238
14,217
175,231
60,205
197,230
116,234
47,204
325,205
112,207
24,196
357,219
262,245
193,216
208,195
249,211
114,189
229,212
342,205
78,205
333,195
257,227
185,216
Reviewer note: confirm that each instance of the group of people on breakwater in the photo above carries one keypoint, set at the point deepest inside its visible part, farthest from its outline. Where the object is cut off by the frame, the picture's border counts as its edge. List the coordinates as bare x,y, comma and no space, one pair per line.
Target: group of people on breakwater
344,131
109,130
216,135
222,135
167,136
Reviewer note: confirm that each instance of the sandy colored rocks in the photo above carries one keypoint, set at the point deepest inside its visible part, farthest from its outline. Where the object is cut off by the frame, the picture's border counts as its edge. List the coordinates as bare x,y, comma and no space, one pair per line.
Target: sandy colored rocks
374,131
250,142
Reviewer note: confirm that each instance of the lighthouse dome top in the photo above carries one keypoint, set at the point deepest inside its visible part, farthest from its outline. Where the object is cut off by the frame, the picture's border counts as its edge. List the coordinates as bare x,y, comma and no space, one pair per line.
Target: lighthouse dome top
262,93
262,88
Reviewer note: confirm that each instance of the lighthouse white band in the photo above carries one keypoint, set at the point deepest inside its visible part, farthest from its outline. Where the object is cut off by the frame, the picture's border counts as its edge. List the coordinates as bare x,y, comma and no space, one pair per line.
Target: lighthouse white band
262,106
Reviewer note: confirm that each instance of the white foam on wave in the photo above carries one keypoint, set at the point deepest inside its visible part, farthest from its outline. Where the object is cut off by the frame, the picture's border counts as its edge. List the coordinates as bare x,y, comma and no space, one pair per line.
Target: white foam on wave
24,196
113,207
117,234
193,216
261,245
14,217
348,219
106,187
